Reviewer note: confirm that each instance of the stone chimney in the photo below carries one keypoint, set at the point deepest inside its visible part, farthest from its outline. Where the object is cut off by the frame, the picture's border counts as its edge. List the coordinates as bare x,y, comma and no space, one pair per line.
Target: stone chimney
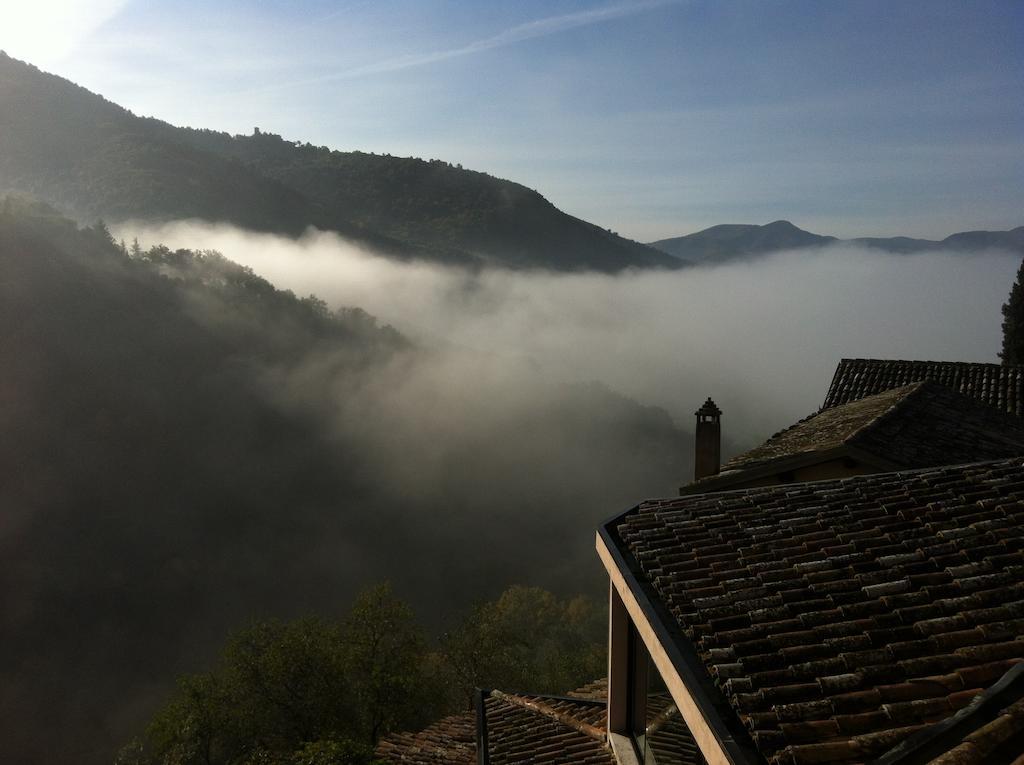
708,453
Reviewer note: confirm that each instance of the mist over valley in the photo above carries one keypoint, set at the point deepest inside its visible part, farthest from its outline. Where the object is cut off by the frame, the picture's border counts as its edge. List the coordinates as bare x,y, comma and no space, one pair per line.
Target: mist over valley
761,337
308,428
231,452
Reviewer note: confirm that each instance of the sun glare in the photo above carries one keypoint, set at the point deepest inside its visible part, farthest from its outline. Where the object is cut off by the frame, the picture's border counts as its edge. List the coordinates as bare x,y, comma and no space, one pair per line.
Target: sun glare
45,32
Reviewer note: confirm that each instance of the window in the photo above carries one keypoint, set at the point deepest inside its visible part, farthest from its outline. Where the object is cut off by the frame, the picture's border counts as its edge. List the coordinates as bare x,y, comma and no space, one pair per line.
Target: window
665,740
641,710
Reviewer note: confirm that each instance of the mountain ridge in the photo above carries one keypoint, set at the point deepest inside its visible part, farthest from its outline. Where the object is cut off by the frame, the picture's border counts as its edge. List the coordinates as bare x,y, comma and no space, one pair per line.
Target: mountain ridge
95,159
741,241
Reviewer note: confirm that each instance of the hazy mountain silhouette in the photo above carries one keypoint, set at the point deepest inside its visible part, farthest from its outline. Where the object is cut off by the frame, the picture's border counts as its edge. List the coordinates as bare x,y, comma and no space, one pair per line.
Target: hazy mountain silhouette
965,241
94,159
736,241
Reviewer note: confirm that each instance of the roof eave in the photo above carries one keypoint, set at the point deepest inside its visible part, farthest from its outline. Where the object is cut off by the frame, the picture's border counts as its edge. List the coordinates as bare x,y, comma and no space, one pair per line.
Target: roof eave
939,738
717,721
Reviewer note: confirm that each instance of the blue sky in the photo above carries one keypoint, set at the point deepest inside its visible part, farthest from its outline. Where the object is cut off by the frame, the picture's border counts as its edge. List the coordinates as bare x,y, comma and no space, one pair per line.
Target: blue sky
651,117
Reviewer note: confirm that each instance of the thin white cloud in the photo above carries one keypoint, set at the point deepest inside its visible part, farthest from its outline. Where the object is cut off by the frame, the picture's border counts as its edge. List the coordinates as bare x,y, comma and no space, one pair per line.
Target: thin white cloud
519,33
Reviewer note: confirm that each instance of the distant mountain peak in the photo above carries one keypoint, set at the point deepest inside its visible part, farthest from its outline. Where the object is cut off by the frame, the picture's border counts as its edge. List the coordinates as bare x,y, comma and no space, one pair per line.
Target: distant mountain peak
734,241
729,241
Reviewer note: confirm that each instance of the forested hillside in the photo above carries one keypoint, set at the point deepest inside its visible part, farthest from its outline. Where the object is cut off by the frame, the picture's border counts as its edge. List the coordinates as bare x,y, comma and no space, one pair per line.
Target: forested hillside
143,469
94,159
188,448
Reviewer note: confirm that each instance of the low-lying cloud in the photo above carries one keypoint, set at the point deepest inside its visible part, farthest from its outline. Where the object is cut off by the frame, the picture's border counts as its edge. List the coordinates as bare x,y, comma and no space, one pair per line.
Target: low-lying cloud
533,405
762,337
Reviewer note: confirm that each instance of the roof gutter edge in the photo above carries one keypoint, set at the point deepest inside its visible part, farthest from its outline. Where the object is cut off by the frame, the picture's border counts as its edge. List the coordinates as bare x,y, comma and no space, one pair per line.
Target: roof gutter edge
720,742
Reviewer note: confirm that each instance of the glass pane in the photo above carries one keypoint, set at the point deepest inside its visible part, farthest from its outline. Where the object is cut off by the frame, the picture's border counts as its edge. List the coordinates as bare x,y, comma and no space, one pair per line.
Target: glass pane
667,740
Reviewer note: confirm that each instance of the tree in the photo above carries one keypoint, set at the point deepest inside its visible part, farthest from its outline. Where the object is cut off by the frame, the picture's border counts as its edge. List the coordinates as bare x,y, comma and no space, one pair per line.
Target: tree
102,233
1013,322
305,692
528,640
278,686
385,655
317,692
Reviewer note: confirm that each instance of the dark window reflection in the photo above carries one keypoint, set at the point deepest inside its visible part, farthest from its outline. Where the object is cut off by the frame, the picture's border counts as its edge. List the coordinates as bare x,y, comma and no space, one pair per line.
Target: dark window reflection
666,739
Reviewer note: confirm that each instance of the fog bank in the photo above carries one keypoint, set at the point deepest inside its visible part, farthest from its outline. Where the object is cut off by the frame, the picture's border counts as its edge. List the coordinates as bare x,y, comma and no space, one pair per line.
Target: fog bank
206,479
761,337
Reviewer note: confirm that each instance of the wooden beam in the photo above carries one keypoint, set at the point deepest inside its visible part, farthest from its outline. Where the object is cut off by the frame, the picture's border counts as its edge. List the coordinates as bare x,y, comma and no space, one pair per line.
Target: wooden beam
708,742
618,664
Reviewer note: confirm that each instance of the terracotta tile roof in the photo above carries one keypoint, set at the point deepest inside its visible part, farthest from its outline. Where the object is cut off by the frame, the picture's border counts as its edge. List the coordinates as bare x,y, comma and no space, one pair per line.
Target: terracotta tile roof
519,728
528,729
824,430
917,425
448,741
1000,385
523,730
837,618
997,742
988,731
451,741
935,425
596,691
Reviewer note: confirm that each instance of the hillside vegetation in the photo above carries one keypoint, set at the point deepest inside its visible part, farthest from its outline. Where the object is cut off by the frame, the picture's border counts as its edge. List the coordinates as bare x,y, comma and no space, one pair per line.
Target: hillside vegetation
94,159
188,448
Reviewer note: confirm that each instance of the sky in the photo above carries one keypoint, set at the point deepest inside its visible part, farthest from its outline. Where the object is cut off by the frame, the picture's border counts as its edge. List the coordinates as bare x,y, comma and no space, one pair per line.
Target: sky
654,118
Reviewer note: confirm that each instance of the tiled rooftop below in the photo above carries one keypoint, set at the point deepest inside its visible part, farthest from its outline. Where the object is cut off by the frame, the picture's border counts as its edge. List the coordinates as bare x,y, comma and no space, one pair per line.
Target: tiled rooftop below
842,616
999,385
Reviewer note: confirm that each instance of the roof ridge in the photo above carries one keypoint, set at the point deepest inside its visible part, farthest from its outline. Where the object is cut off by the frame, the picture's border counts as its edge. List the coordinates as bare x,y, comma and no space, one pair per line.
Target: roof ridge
722,493
933,361
911,391
731,465
728,465
541,708
990,382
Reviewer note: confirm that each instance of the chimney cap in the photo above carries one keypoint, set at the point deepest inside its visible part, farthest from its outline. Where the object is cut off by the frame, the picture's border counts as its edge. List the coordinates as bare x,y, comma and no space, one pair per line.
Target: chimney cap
709,409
